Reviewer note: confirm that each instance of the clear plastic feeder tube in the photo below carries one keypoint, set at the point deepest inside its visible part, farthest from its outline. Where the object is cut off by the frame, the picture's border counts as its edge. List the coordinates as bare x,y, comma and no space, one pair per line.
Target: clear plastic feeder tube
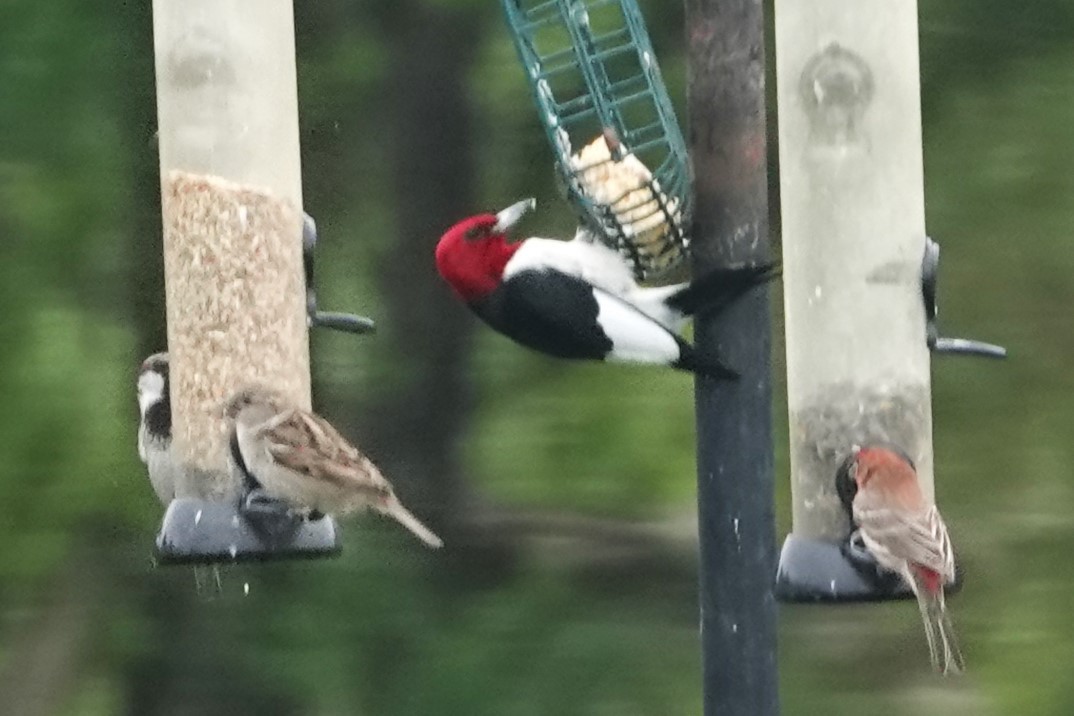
232,215
853,239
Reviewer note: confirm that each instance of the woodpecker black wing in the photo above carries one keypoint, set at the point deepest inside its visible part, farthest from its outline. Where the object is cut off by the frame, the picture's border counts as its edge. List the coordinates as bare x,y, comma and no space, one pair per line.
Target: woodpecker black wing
564,316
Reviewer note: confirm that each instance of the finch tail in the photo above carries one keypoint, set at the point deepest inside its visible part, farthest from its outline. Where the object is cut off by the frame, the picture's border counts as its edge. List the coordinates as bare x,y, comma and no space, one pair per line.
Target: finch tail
403,516
939,631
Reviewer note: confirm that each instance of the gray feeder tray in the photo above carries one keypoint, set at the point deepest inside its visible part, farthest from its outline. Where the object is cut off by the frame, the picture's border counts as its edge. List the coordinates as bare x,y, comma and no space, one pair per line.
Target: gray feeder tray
812,570
202,531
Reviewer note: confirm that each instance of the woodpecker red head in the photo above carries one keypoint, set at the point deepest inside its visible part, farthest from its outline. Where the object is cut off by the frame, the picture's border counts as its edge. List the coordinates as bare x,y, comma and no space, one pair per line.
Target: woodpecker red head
472,254
578,299
905,534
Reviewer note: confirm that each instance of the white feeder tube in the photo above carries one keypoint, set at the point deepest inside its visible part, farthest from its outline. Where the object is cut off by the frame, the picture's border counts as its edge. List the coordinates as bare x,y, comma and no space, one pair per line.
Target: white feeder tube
231,187
853,239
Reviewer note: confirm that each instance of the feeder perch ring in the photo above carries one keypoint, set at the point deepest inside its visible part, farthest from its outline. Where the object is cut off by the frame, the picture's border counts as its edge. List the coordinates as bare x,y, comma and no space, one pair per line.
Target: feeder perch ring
620,155
345,322
930,265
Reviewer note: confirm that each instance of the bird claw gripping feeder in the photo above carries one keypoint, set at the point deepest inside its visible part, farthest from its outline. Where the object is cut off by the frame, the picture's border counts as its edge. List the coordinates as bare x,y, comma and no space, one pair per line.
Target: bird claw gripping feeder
237,304
619,151
859,275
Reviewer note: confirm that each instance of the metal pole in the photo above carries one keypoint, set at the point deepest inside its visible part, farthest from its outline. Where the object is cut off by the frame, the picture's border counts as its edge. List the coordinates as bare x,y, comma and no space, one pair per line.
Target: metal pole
734,419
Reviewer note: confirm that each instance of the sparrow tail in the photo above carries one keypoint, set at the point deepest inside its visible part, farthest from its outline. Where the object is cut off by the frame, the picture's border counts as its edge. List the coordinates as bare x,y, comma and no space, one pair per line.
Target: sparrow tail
403,516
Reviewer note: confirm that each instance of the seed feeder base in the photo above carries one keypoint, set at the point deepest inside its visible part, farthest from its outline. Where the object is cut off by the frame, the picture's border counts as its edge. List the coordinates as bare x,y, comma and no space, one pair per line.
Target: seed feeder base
812,570
196,531
815,570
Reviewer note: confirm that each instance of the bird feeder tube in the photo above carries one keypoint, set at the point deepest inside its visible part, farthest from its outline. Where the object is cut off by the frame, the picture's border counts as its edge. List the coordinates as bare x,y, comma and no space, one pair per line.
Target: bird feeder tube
853,221
233,225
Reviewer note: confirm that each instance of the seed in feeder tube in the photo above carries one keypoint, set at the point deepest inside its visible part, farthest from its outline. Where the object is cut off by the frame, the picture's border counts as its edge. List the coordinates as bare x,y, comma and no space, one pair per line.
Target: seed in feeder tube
236,309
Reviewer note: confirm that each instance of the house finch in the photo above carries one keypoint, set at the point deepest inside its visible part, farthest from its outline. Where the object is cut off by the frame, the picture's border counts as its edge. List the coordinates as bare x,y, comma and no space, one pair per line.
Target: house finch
905,534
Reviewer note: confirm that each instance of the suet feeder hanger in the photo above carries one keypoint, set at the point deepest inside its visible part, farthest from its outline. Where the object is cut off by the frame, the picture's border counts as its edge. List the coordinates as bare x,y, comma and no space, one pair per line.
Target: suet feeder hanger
601,99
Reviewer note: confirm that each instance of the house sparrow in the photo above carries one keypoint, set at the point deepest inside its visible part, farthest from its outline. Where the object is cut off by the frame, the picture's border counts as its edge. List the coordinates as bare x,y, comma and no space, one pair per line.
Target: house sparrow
298,458
904,532
155,445
155,427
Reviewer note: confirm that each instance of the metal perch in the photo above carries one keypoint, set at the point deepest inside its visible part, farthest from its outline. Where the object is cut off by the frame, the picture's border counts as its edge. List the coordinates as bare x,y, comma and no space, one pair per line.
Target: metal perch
346,322
930,265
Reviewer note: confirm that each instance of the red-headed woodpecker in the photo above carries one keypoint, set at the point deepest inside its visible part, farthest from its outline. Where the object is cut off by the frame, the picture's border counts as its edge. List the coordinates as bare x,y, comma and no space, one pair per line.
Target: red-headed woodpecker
578,299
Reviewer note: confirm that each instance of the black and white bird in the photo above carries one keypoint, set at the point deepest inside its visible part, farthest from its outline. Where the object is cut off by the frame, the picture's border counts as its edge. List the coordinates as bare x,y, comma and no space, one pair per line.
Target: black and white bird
155,427
296,457
578,299
155,445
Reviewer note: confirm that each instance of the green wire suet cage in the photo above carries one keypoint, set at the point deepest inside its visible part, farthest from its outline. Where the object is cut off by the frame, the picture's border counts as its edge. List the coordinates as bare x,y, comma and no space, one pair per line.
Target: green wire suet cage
606,111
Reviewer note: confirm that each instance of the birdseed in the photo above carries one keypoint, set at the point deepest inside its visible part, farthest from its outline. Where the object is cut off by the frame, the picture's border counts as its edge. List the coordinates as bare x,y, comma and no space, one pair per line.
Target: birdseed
236,311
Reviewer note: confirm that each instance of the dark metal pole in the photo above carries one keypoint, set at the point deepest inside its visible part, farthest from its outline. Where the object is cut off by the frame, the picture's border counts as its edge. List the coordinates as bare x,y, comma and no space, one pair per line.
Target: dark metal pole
734,419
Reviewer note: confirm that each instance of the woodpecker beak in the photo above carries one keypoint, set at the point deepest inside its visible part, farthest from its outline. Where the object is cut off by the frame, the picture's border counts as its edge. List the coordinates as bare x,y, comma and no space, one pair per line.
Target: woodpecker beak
511,215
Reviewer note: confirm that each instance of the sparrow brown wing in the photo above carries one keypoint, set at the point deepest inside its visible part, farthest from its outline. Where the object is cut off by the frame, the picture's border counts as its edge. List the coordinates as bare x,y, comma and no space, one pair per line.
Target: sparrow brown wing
309,445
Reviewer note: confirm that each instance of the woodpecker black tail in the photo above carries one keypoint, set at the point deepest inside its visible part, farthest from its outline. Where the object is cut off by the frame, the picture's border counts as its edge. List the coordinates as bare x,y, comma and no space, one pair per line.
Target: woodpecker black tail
691,360
718,289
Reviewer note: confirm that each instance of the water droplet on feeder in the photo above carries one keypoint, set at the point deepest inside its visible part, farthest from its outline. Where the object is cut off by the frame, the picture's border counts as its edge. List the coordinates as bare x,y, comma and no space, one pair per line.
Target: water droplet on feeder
832,586
735,523
734,628
246,589
197,517
233,550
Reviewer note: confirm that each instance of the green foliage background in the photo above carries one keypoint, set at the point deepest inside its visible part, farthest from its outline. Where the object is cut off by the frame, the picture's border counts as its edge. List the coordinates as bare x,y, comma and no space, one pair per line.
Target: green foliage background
554,628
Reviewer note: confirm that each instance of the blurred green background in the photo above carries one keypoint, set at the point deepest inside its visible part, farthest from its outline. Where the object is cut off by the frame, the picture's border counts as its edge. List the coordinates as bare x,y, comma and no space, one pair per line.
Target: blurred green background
565,492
